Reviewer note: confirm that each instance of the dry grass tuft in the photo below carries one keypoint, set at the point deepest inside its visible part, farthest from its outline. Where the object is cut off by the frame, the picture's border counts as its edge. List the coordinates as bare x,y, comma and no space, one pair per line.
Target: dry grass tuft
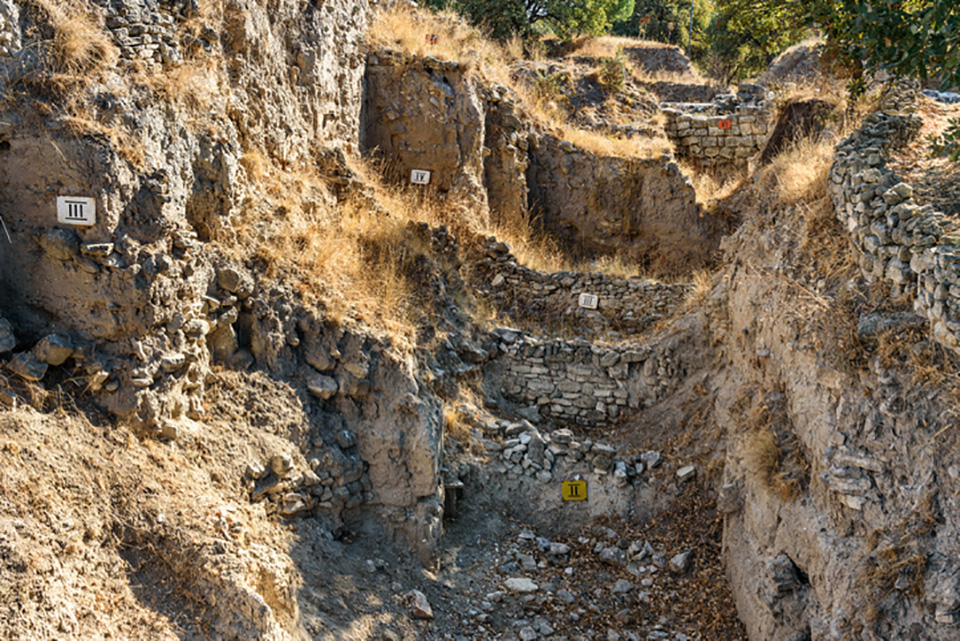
406,28
456,424
898,562
460,422
76,53
531,245
799,174
79,48
712,187
703,281
196,85
605,145
772,451
605,46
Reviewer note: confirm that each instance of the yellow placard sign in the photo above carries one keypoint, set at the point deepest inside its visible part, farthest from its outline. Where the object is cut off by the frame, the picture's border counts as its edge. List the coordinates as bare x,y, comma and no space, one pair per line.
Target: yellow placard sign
573,490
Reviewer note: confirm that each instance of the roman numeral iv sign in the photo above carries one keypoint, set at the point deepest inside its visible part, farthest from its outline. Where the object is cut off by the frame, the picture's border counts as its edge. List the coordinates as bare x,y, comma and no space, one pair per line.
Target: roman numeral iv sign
420,177
75,210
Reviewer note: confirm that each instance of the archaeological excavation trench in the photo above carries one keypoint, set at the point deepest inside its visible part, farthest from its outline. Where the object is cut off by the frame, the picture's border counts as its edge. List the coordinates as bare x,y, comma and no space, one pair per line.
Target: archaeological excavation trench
342,344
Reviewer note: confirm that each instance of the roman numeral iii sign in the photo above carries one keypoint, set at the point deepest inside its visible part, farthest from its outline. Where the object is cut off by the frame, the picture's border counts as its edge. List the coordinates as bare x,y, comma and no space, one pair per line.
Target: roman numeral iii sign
75,210
588,301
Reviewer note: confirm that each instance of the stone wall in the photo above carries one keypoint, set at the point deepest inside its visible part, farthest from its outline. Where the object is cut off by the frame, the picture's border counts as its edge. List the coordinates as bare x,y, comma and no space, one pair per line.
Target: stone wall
148,32
551,300
897,240
579,383
698,135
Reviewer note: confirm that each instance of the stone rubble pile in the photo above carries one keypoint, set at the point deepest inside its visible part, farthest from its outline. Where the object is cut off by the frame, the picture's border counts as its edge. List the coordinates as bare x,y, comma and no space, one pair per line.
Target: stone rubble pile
520,449
336,480
540,595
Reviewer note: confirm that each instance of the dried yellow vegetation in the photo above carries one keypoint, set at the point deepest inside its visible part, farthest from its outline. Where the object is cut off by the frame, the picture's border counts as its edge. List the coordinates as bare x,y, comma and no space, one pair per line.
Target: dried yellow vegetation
406,28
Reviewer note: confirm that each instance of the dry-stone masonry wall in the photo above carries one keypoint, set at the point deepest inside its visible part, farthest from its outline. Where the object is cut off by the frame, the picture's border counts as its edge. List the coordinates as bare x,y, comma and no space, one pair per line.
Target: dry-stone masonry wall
699,136
148,31
548,300
897,240
727,131
575,382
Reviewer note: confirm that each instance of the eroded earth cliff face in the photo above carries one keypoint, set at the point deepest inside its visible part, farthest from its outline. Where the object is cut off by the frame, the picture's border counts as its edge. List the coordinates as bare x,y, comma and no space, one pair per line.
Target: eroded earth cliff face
185,402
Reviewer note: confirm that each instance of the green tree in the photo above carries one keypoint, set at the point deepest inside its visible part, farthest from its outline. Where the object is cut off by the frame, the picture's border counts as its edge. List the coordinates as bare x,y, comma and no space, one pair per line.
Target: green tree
565,18
919,38
740,45
666,20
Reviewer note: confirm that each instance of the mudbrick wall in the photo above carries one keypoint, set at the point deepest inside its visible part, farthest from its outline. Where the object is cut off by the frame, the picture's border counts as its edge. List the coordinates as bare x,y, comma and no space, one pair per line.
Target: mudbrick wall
645,208
579,383
446,138
910,246
551,300
423,113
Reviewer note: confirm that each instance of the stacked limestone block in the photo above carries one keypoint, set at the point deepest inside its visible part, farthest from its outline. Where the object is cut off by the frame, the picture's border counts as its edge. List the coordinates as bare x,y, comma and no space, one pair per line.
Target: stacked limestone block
698,135
574,382
624,305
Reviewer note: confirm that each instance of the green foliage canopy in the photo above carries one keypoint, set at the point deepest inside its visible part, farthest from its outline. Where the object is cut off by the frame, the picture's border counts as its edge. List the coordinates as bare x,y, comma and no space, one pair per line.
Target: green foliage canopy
652,20
565,18
919,38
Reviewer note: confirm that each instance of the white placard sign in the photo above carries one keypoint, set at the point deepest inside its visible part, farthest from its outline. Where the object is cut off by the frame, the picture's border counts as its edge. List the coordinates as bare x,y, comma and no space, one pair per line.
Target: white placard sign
74,210
420,177
589,301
